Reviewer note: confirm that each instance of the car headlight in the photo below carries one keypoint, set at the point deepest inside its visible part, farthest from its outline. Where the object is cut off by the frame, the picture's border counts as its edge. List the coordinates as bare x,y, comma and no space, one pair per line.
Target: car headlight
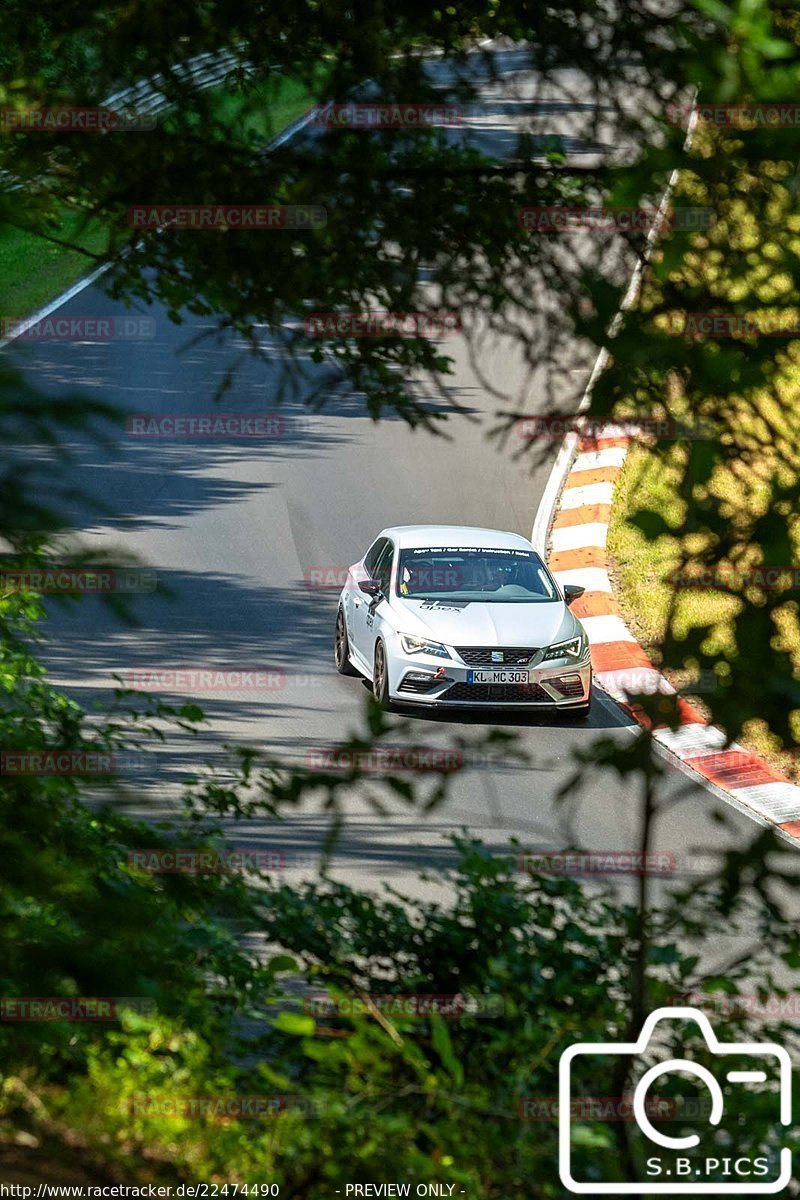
574,648
418,645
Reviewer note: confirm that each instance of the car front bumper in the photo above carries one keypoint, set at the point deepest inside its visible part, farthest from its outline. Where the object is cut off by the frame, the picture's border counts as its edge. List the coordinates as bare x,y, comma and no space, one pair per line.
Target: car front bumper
429,680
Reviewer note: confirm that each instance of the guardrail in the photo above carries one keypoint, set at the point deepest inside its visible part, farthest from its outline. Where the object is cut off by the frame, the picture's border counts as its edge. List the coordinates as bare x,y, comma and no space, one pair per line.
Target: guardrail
147,98
204,71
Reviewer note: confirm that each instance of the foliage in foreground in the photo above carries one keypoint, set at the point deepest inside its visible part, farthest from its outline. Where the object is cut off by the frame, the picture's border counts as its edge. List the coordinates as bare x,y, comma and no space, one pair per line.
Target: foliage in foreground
430,1097
236,968
462,1098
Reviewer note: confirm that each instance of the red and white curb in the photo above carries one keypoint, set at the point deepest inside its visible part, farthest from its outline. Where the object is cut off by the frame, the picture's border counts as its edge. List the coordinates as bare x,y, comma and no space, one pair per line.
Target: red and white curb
578,527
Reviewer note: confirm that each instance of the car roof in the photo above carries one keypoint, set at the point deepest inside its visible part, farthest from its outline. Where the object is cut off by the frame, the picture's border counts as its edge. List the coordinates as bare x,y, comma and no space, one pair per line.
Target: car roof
408,536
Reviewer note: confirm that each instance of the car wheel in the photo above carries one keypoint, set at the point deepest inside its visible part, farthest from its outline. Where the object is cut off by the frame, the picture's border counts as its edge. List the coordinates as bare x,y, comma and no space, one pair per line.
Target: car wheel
380,677
341,647
581,712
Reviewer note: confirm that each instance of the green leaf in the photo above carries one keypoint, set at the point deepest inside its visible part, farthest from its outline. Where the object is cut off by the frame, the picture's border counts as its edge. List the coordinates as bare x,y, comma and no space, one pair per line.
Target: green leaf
442,1044
295,1023
283,962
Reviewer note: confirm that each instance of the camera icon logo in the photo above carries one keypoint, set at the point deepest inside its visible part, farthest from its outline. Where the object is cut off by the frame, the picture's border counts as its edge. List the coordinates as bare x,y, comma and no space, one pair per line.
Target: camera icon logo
667,1164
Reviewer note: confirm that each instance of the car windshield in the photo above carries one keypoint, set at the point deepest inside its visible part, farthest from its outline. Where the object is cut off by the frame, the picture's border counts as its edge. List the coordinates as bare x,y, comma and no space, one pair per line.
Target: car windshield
464,573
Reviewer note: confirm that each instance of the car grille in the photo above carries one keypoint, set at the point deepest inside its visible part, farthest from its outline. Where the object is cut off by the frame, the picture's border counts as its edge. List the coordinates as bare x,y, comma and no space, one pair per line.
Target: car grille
491,693
481,656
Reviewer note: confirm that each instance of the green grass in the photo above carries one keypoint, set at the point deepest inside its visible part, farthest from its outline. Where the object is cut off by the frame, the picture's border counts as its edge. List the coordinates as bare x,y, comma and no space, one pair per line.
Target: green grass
263,110
762,428
34,270
640,568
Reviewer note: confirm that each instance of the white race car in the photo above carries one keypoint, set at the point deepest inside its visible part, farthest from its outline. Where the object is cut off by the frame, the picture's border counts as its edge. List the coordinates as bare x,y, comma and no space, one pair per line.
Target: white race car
448,615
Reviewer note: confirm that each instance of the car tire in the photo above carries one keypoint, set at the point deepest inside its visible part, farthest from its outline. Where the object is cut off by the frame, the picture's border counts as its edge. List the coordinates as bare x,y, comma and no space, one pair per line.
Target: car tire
580,713
341,646
380,677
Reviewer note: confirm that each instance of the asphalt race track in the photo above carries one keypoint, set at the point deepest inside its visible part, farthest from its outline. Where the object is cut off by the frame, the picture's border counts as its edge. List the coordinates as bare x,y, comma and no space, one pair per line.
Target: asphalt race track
236,529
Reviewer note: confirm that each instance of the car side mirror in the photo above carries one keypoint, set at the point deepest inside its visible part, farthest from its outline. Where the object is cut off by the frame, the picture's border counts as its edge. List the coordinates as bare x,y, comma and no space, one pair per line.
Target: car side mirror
572,591
372,587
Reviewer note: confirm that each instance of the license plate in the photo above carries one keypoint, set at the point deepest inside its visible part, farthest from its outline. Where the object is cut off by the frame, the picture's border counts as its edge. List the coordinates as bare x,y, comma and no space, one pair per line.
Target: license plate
498,676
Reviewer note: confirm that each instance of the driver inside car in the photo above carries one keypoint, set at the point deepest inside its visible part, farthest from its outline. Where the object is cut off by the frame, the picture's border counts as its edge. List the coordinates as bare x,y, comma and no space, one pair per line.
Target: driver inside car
417,578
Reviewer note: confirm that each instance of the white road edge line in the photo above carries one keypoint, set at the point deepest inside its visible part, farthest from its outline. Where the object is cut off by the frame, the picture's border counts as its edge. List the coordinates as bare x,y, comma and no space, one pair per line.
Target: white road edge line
45,312
289,132
555,482
88,280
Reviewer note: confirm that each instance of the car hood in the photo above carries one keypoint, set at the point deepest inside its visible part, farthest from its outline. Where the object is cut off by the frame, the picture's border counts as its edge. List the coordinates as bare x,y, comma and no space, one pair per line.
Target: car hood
476,624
